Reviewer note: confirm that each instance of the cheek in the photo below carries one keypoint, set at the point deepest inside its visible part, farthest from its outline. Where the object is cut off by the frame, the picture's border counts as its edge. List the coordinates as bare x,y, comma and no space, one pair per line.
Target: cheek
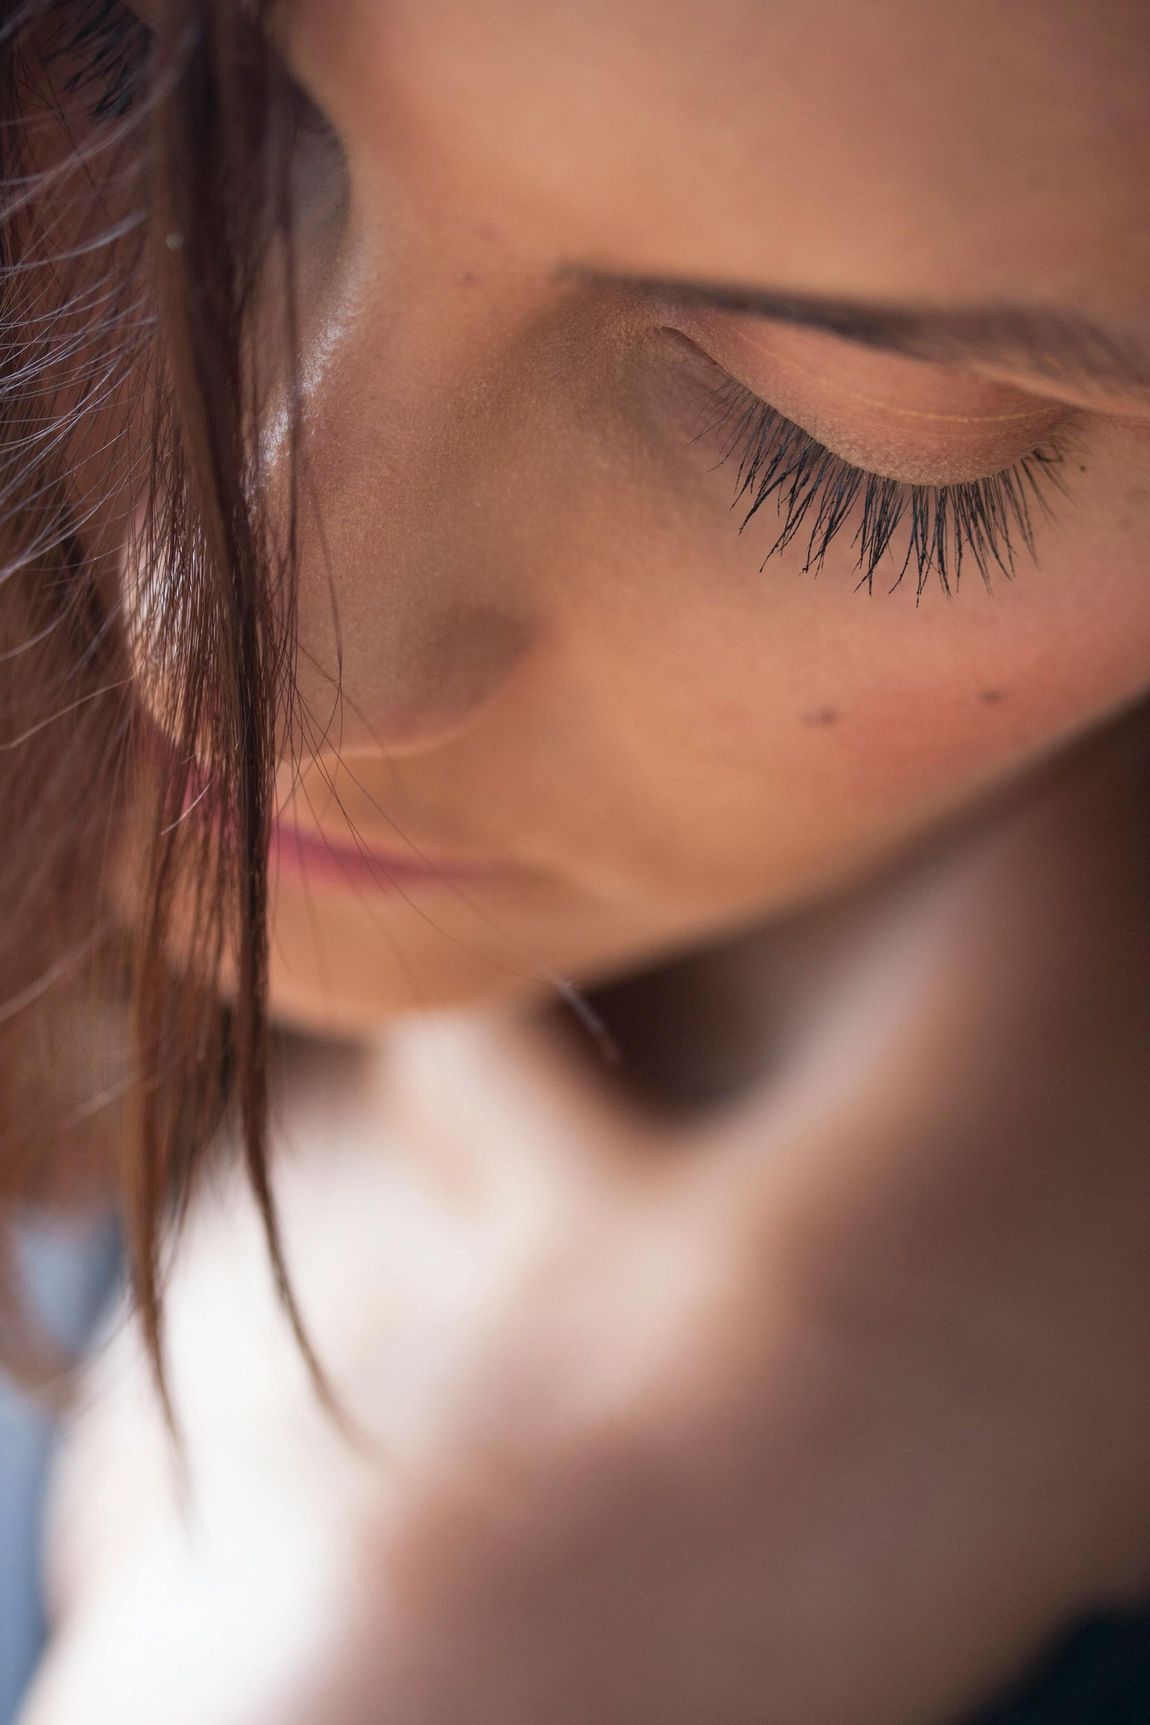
956,707
993,681
849,721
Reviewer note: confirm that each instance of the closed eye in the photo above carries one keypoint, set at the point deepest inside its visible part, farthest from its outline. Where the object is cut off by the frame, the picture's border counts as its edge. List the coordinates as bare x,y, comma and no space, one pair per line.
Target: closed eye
894,525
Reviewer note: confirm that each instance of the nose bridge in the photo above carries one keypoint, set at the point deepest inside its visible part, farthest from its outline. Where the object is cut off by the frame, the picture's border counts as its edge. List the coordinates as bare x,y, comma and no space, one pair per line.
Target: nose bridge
407,587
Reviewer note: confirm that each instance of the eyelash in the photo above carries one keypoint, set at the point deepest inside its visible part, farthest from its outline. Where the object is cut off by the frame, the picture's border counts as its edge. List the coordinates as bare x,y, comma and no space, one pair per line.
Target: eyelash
817,494
980,519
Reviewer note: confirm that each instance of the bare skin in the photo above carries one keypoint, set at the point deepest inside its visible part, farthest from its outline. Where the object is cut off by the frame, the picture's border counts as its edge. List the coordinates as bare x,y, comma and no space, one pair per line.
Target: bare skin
557,654
828,1408
829,1405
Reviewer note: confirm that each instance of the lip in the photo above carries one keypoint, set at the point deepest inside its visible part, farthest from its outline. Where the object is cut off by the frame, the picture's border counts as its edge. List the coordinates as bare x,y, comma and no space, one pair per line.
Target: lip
350,863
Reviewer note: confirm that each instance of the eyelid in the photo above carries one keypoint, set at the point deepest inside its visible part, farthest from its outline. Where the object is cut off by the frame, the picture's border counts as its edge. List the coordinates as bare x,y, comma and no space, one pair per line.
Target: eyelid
769,352
816,493
883,437
902,411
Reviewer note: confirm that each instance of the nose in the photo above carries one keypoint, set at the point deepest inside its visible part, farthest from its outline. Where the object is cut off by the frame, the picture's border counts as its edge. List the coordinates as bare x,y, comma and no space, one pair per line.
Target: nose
414,596
423,671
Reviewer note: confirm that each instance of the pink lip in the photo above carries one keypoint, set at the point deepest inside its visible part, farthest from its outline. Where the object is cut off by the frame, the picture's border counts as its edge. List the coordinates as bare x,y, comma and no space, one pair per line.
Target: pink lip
349,864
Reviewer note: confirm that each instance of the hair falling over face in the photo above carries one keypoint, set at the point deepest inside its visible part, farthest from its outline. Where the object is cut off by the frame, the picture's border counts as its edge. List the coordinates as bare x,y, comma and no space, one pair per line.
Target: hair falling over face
182,126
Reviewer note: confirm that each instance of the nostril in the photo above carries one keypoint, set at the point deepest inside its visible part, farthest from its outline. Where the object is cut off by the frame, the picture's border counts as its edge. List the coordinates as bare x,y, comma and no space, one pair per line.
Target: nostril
418,680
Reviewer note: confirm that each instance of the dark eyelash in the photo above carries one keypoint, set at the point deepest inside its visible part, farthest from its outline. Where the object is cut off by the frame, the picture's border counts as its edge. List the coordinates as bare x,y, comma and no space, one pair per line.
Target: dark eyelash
818,494
112,52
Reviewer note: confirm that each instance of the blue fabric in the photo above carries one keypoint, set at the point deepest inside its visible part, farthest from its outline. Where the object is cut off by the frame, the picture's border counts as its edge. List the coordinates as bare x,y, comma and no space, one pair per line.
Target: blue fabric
69,1274
25,1437
1098,1673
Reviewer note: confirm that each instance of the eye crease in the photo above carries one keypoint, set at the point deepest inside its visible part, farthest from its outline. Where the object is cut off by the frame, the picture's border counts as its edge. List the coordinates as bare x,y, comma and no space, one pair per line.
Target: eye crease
932,529
892,526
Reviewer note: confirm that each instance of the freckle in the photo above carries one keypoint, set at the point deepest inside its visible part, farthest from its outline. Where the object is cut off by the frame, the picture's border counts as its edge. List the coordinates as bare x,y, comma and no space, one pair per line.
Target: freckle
822,716
991,697
468,278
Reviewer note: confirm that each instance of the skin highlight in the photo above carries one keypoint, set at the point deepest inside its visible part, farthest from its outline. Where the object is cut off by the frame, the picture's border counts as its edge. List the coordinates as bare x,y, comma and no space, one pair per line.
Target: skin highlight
579,669
828,1402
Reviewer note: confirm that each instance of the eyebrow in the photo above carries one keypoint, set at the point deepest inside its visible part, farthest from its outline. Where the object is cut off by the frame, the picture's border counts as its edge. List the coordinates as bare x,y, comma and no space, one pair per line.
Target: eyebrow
1059,346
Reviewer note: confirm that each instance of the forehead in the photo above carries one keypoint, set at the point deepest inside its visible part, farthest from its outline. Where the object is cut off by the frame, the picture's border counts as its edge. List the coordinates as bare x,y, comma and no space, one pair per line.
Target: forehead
902,148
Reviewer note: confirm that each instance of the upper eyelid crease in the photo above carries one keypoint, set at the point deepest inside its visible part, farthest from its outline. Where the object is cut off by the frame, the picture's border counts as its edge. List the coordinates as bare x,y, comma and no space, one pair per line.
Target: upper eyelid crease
1040,409
1056,345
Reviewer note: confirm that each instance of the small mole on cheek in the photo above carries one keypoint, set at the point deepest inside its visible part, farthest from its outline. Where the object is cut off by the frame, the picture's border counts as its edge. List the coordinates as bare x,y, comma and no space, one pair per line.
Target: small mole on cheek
991,697
822,716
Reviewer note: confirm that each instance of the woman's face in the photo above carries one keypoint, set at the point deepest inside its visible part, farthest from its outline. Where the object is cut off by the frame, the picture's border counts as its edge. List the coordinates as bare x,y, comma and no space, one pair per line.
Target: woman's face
605,716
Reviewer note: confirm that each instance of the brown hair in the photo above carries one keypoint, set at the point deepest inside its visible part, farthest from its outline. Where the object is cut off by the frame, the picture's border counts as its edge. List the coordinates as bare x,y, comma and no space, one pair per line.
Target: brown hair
133,877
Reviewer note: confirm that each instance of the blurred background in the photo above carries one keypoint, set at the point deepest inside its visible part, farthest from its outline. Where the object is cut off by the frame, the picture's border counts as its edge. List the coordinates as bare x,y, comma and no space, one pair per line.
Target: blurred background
70,1271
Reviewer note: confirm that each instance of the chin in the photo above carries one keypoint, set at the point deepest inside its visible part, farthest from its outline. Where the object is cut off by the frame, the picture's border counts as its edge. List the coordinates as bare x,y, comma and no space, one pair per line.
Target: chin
343,969
341,1010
